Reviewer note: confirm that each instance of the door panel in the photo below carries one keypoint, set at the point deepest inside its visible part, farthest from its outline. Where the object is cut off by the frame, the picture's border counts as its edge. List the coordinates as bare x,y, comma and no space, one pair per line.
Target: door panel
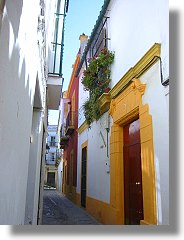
83,177
133,203
51,179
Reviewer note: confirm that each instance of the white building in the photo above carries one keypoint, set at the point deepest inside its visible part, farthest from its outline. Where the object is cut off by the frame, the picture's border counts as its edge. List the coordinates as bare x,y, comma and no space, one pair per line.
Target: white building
23,121
56,12
53,157
24,50
63,111
137,32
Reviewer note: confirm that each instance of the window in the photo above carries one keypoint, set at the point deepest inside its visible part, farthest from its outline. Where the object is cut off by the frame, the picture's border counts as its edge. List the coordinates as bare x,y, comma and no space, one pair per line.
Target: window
52,143
52,157
100,39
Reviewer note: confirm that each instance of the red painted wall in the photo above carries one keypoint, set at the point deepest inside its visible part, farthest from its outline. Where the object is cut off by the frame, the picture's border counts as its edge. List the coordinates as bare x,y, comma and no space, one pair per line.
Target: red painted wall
73,140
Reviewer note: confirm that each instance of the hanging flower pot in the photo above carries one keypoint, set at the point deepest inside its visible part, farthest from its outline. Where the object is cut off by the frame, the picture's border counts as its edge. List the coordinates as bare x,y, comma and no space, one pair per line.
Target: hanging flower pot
106,90
96,80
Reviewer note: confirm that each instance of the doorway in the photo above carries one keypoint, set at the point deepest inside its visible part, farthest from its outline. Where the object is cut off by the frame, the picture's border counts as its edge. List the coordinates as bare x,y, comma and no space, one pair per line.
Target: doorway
51,179
71,172
83,177
133,198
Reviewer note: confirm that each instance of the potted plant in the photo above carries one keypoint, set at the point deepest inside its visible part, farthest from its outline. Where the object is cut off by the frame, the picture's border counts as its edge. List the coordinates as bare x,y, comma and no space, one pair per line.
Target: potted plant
96,80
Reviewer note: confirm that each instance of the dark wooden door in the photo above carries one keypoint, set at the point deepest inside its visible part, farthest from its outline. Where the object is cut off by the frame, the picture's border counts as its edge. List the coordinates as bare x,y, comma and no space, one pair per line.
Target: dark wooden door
83,177
51,179
133,201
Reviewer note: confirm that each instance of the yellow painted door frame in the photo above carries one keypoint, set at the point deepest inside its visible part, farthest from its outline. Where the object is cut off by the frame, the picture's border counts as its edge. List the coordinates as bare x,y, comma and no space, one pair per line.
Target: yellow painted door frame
125,108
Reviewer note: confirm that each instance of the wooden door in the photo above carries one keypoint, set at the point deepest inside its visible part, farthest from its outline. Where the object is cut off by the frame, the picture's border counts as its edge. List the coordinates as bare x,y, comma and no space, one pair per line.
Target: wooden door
83,177
133,201
51,179
71,172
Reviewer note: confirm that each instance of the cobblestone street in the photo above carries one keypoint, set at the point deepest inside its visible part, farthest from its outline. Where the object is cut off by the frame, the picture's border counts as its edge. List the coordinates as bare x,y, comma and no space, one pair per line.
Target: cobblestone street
58,210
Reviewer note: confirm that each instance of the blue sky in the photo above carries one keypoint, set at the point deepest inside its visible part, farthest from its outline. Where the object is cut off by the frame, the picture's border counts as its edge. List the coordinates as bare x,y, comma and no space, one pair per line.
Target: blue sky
81,18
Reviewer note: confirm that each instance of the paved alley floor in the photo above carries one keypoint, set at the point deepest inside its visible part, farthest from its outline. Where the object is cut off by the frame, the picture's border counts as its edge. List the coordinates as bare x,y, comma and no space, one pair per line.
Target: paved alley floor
58,210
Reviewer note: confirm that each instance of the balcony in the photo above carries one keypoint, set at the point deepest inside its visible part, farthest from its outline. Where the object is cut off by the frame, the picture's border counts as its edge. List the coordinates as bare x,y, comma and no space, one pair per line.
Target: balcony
54,87
63,141
71,122
51,144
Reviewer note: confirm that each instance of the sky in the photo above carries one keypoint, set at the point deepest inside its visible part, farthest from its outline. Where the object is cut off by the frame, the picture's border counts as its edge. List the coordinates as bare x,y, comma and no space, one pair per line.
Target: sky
81,18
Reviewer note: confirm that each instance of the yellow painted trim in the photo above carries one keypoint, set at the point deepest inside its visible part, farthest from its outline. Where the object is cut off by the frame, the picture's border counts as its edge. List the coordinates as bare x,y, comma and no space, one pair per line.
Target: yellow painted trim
138,69
73,101
125,108
72,195
85,144
104,102
73,74
82,127
100,210
78,199
142,222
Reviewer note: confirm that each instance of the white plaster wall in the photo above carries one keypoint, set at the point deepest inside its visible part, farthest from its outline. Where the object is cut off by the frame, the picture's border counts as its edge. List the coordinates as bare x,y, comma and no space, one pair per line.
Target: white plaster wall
83,96
134,26
155,96
60,176
98,179
141,24
19,68
34,169
52,132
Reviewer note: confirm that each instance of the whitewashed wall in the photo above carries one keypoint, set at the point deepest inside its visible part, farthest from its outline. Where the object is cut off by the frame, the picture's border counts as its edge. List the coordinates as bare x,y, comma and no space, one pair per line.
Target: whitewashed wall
141,24
34,169
133,27
83,96
155,96
98,178
19,69
60,176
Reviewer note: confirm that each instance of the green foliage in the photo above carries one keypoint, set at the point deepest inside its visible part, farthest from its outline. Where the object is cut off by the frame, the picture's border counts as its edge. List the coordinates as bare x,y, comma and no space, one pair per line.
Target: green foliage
96,80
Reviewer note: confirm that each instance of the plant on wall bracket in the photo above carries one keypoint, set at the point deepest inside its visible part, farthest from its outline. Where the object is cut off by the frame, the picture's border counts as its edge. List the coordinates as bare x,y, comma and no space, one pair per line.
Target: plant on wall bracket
96,80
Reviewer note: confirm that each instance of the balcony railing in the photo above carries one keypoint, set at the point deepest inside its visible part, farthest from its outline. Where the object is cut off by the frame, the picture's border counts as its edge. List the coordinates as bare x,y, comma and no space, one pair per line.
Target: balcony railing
71,122
100,39
63,141
52,144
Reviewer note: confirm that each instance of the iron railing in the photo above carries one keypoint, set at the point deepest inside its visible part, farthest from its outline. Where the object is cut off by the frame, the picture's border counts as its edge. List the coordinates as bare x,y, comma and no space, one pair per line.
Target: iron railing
71,119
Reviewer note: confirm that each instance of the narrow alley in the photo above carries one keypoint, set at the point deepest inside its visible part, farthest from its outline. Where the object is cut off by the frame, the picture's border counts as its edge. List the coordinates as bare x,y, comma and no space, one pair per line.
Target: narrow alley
58,210
84,112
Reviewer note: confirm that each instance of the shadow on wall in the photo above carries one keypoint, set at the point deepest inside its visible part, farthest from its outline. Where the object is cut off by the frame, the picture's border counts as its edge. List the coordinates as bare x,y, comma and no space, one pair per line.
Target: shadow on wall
12,67
15,105
173,228
14,16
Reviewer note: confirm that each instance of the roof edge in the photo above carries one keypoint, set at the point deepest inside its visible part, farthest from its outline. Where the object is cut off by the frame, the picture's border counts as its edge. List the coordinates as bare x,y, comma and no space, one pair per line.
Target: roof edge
100,17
